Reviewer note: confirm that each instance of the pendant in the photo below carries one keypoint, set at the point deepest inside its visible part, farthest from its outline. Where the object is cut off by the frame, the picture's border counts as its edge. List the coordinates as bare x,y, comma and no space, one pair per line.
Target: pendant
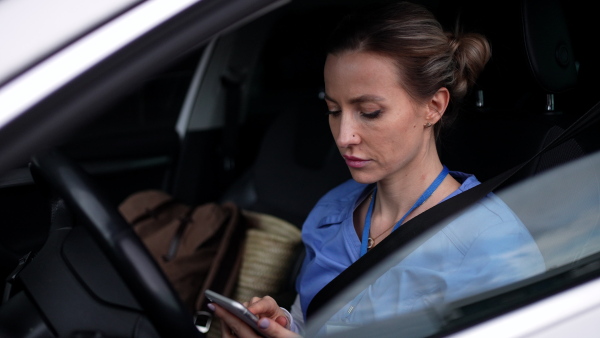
370,243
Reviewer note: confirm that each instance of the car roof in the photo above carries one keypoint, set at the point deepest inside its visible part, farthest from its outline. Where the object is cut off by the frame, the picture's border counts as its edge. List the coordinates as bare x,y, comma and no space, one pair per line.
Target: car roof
33,29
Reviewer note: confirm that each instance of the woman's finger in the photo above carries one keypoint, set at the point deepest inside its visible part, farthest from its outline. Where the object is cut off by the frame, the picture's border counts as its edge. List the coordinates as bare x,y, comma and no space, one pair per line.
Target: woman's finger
272,329
266,306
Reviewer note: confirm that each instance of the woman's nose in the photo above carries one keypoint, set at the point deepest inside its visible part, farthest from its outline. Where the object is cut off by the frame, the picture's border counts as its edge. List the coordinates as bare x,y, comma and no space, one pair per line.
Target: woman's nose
347,133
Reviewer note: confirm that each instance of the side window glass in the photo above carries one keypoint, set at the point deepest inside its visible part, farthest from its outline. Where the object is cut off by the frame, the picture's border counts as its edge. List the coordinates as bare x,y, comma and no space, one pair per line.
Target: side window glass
155,106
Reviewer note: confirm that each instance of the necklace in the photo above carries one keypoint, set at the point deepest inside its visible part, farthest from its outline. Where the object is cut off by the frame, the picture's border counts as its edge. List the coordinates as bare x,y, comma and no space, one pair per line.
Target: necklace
367,242
371,240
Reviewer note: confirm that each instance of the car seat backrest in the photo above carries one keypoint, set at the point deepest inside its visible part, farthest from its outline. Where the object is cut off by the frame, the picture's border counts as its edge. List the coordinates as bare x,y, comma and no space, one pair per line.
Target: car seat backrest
297,163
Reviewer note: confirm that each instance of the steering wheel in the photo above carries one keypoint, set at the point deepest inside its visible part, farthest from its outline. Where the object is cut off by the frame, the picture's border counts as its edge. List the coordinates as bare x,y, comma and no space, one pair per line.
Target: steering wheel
119,242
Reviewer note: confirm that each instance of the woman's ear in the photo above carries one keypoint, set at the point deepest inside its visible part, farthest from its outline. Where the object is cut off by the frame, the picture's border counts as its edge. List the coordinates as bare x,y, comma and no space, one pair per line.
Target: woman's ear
437,105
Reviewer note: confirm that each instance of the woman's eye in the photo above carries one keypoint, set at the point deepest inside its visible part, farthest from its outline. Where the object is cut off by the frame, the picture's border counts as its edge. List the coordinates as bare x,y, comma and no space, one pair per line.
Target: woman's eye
371,115
333,112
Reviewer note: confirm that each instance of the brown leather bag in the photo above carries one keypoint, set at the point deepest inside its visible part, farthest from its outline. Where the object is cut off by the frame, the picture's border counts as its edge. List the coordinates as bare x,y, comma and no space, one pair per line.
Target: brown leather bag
198,248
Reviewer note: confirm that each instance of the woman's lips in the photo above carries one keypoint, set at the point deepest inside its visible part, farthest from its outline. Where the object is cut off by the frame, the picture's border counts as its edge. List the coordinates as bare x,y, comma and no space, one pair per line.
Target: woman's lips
355,162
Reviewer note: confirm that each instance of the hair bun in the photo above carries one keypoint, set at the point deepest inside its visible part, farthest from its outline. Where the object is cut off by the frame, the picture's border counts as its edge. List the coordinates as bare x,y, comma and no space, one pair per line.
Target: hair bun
471,52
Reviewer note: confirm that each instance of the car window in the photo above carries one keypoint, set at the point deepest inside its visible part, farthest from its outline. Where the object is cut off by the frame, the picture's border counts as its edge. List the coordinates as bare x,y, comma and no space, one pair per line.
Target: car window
155,105
560,209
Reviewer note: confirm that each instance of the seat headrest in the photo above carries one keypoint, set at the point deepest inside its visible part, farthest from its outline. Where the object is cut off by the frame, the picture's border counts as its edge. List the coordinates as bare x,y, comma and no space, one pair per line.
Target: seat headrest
547,45
532,53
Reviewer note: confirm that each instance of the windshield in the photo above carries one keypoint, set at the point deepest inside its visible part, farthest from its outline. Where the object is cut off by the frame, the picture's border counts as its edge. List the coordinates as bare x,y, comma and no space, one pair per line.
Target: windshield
559,211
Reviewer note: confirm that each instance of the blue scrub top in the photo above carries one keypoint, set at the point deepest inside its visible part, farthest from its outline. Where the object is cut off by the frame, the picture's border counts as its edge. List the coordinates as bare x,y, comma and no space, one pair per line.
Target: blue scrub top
484,248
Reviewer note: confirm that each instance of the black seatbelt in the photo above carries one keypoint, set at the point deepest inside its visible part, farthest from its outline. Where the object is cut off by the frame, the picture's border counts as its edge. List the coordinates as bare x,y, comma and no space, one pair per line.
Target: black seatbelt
447,210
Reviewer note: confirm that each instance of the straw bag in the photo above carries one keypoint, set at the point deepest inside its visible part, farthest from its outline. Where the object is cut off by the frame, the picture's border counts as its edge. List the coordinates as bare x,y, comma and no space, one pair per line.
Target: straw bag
270,247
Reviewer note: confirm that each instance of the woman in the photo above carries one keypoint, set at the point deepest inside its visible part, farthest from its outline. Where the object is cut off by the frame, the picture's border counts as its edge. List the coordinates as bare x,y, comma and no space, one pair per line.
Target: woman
393,77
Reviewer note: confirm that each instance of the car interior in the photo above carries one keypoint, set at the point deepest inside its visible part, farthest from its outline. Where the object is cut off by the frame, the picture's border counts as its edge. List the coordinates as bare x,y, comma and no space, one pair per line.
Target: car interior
242,119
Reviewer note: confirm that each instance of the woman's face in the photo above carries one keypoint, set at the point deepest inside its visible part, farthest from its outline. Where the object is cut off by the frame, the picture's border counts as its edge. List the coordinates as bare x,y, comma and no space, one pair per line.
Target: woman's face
378,128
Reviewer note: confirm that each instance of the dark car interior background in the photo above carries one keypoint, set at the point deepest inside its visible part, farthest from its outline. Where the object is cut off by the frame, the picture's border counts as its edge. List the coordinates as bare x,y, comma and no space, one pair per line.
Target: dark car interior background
273,152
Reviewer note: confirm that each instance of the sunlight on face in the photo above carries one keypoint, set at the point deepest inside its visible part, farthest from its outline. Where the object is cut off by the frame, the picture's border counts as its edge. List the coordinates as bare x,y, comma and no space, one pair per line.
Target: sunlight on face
377,127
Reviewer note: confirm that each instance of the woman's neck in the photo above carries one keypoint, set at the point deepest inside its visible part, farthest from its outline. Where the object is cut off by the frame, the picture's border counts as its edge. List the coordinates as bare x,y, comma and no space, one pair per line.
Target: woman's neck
395,195
398,193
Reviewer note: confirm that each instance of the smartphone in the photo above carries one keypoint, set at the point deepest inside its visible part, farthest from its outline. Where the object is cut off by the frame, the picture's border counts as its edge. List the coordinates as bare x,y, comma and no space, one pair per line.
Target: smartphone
235,308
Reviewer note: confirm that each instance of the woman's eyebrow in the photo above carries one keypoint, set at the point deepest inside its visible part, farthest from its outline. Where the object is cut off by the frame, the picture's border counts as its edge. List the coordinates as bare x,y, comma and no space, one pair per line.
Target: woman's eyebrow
366,98
328,98
360,99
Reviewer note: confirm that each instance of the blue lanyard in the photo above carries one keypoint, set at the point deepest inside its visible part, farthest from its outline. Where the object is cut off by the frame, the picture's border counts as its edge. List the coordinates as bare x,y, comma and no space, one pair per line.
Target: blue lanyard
434,185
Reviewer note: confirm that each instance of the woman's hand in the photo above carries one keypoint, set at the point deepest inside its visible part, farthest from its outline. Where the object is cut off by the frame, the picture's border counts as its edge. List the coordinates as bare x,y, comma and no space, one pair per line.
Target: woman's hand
272,322
267,307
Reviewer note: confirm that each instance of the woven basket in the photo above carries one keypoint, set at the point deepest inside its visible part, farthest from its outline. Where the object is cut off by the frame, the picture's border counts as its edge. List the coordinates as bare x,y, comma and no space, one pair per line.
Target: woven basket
269,251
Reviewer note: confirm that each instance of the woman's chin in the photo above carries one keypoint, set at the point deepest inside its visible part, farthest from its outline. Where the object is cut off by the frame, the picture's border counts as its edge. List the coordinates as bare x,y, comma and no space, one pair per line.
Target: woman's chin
362,177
